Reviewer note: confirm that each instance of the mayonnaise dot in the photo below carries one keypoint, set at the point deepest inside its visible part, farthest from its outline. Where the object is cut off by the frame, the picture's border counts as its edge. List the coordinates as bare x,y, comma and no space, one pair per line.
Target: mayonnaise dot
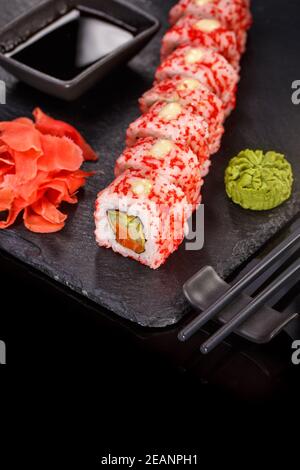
202,2
170,111
207,25
194,55
188,84
161,148
141,187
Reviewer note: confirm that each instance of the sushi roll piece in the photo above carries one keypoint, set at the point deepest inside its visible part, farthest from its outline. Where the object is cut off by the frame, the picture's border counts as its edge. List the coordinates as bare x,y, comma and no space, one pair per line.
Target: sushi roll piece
208,67
175,162
190,93
233,14
174,122
207,32
141,216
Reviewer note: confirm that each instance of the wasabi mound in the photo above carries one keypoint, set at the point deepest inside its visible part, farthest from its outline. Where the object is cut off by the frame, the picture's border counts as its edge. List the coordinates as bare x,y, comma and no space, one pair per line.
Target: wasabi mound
259,181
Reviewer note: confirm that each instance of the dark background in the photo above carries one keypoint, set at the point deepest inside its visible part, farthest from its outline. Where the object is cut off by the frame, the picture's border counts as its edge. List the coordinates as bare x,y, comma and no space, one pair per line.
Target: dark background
84,383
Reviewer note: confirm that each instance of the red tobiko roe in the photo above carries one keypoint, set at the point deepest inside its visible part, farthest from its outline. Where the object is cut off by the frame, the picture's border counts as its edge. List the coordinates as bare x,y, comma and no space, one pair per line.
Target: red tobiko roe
39,169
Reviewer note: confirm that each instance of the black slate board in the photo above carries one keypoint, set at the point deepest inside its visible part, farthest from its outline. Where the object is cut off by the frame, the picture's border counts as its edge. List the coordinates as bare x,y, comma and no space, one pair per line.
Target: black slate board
265,118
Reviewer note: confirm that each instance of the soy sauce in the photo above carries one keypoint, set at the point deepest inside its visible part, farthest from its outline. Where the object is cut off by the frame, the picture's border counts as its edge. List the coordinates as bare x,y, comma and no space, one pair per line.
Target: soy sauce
72,44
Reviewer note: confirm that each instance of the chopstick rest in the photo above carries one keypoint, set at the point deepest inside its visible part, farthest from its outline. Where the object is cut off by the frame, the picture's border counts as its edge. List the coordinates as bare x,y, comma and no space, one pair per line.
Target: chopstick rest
282,280
217,295
206,287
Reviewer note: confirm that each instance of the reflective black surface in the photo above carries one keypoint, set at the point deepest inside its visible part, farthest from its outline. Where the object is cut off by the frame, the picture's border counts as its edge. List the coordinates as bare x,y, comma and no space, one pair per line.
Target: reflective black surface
96,384
72,44
58,329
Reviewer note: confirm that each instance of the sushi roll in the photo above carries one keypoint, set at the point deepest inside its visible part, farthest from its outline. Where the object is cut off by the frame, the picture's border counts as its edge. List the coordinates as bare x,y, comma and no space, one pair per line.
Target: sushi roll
174,122
176,163
143,213
190,93
141,216
207,32
206,66
233,14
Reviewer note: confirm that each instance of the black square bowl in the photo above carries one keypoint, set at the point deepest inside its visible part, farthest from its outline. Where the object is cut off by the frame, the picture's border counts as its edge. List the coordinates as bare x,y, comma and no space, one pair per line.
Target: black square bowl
24,27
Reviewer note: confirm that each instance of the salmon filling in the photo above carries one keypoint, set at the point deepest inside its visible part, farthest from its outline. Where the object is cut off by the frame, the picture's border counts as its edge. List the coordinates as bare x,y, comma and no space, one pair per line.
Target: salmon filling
128,230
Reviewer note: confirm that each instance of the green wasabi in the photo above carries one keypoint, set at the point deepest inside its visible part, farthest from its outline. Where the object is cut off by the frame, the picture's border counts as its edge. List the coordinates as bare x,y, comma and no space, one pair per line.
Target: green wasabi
259,181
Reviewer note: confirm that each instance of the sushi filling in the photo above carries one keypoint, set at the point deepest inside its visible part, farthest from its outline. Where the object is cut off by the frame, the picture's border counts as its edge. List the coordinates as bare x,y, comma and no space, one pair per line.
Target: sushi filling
128,230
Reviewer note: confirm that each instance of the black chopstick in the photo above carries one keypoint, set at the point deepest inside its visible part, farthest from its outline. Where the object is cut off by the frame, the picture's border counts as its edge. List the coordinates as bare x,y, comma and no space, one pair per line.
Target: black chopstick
258,302
237,288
